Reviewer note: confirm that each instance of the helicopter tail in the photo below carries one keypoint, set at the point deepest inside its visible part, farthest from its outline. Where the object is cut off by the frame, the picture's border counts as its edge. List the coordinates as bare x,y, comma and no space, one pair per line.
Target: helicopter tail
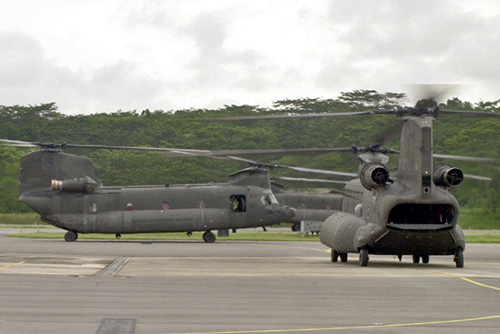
48,169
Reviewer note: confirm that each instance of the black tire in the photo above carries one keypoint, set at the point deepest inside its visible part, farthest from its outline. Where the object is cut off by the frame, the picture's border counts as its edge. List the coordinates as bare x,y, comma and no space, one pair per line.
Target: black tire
296,227
363,257
343,257
70,236
416,258
425,258
209,237
459,259
335,256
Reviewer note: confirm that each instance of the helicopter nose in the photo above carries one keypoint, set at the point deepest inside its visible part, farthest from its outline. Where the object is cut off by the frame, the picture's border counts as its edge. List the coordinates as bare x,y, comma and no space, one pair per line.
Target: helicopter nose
286,212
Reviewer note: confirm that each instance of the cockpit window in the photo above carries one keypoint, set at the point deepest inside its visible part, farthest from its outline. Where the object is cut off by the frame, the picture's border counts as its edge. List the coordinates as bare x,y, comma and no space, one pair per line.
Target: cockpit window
238,203
268,198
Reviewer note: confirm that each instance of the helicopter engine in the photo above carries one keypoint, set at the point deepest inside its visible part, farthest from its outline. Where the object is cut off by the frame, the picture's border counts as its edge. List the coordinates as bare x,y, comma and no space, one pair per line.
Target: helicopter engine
447,176
373,175
77,185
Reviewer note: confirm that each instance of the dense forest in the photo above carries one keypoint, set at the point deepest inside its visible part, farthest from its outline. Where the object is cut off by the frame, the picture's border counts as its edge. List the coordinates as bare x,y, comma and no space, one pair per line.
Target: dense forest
186,129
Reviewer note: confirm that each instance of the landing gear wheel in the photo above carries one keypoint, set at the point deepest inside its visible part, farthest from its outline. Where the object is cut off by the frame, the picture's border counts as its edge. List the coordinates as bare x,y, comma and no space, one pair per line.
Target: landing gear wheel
335,256
363,257
459,259
416,258
118,236
343,257
71,236
209,237
425,258
296,227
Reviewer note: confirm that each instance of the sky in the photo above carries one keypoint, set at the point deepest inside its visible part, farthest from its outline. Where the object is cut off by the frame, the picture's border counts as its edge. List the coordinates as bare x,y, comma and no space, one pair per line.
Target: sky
94,56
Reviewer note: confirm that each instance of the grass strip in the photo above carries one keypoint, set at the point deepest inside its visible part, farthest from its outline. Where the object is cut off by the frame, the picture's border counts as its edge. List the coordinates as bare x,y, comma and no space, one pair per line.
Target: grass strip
197,236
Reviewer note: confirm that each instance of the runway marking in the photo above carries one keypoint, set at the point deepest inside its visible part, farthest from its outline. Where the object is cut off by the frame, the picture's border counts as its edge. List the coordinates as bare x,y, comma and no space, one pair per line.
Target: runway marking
479,284
369,326
463,278
12,265
348,327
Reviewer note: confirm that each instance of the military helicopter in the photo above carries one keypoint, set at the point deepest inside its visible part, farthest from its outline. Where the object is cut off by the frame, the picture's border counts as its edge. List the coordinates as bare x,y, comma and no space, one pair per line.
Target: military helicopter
410,213
64,190
308,206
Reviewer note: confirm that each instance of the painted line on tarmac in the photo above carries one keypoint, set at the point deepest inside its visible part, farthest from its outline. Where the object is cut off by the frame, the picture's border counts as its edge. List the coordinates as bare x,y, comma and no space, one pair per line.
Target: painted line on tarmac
12,265
464,279
479,284
370,326
350,327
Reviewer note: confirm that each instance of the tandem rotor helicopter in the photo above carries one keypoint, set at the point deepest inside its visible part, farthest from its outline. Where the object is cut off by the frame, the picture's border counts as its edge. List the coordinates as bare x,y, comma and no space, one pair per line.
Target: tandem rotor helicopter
64,190
409,213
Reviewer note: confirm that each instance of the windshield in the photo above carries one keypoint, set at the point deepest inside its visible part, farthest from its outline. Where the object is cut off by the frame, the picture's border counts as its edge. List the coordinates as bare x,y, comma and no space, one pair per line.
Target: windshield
268,198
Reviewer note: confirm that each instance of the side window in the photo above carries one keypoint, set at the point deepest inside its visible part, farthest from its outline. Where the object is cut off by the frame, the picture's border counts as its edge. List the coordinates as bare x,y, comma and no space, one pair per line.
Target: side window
238,203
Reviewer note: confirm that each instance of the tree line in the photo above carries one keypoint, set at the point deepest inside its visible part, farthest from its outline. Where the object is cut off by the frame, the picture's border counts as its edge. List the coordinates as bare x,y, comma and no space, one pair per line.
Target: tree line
185,129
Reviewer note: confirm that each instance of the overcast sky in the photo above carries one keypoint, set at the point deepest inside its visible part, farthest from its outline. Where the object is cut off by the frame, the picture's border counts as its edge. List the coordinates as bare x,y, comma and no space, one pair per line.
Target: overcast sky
91,56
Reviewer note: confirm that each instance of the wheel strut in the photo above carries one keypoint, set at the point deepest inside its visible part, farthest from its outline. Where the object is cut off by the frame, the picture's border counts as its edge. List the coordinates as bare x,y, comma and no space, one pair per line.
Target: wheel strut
363,257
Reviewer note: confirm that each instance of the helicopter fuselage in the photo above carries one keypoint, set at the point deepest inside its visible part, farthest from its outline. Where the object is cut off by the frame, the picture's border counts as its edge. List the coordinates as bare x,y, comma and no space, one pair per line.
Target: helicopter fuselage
412,214
394,220
61,188
158,208
309,206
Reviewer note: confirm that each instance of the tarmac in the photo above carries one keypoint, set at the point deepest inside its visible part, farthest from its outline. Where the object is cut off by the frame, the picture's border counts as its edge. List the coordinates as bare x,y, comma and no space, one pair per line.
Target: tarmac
127,287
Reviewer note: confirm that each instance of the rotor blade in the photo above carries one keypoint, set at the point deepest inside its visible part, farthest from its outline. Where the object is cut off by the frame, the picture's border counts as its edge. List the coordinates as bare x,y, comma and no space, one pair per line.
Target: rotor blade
482,114
464,158
214,154
17,143
139,148
312,115
435,92
395,111
179,152
238,159
222,153
318,171
306,180
477,177
297,169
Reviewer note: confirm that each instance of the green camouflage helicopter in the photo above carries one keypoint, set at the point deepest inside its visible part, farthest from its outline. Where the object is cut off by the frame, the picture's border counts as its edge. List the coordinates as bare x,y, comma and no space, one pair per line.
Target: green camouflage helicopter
64,190
409,213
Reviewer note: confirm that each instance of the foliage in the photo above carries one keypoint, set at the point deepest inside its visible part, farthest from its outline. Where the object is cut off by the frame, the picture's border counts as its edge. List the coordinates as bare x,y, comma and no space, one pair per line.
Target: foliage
24,219
9,180
184,129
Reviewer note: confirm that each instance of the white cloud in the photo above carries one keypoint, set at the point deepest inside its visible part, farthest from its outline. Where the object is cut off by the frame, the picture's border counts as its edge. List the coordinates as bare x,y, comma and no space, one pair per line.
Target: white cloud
94,56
